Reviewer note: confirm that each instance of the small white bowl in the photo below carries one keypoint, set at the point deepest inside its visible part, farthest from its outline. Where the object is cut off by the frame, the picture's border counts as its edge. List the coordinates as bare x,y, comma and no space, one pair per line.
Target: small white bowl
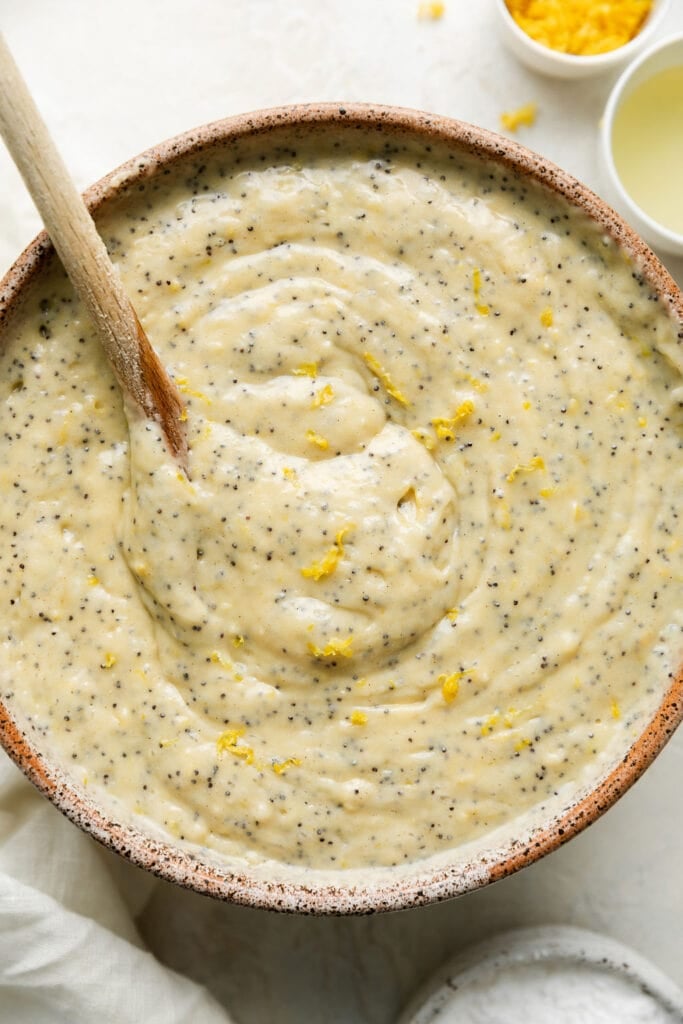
664,55
567,65
537,971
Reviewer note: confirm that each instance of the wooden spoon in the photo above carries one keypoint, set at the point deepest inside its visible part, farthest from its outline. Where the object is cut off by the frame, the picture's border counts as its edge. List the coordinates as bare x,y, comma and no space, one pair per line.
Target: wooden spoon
85,259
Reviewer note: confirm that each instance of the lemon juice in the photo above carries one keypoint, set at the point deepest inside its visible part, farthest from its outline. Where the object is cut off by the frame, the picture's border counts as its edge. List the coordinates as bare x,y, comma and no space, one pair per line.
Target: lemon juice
647,143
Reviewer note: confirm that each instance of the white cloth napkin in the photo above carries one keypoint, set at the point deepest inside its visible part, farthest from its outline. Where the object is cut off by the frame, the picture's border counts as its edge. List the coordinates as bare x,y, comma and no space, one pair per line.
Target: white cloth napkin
69,948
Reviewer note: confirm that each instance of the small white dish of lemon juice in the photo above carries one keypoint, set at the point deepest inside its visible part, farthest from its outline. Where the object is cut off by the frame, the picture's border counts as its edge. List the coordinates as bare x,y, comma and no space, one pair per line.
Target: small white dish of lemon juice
642,145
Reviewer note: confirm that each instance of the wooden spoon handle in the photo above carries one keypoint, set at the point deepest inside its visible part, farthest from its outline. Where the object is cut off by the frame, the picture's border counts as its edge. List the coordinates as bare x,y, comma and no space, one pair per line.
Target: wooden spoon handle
85,258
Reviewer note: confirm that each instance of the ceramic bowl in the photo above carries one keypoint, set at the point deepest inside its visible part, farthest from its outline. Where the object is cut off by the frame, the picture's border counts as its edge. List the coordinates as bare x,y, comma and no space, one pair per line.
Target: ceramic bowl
566,65
663,55
458,870
543,972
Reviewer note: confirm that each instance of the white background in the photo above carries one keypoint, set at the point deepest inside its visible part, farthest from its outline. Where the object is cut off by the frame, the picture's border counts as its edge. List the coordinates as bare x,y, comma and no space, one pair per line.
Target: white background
111,80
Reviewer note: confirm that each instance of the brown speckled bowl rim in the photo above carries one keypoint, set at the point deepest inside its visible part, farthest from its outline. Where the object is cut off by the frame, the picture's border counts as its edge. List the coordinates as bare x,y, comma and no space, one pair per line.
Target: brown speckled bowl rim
423,882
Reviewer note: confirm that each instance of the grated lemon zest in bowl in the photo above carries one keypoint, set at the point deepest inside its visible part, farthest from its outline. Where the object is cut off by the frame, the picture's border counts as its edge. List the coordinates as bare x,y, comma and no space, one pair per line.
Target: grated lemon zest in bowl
580,27
280,767
534,464
450,686
358,718
514,119
229,742
481,309
332,649
184,387
317,439
219,659
306,370
445,426
425,438
547,317
323,397
329,562
378,371
479,385
490,724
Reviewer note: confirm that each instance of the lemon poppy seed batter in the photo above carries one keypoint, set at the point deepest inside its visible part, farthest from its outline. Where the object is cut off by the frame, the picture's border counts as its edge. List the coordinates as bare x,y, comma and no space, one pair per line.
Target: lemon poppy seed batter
426,571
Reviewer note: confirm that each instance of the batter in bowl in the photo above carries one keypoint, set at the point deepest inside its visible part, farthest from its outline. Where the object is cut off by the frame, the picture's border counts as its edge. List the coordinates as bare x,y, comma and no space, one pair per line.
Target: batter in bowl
426,572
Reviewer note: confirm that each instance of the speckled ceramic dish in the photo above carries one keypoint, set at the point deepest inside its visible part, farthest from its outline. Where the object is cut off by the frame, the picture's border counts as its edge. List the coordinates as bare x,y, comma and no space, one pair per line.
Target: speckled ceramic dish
454,871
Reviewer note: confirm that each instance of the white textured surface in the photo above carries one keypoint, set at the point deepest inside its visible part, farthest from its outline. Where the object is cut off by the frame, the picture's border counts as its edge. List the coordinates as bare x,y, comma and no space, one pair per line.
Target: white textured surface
112,80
